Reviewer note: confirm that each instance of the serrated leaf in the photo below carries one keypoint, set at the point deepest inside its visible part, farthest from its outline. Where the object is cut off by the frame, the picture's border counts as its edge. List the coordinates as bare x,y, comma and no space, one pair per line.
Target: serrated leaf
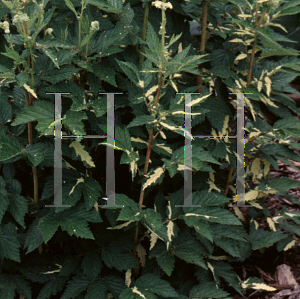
91,265
156,285
131,71
128,214
33,237
9,148
91,192
48,226
73,121
261,238
71,6
113,6
96,290
75,287
9,244
5,111
189,249
36,153
56,75
118,260
4,202
282,184
207,290
122,137
40,110
105,73
152,218
141,120
52,55
18,208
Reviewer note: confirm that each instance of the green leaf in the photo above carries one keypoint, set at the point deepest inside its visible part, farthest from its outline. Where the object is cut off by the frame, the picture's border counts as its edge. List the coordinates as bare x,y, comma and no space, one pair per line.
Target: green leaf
48,225
128,214
71,6
287,123
4,202
91,265
40,110
152,40
207,290
33,237
141,120
59,75
9,244
153,283
52,288
230,246
122,137
73,122
171,166
211,214
120,261
222,58
76,286
129,158
78,227
267,38
125,201
282,184
278,52
113,6
36,153
5,111
18,208
164,258
105,73
200,226
152,219
9,148
52,55
131,71
131,294
261,238
189,249
96,290
91,192
224,270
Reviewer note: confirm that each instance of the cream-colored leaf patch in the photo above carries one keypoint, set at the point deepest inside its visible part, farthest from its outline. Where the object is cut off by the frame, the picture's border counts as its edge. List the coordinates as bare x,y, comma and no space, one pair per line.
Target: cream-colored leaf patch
81,180
80,151
151,90
141,252
154,177
262,286
289,245
30,90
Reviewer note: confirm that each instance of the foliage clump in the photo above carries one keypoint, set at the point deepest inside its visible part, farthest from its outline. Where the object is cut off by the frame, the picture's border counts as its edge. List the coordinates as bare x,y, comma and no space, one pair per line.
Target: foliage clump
147,247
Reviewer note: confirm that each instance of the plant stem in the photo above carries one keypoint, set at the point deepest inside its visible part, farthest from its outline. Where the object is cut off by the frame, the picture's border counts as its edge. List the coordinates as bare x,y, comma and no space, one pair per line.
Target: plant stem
202,43
147,160
79,34
251,63
146,16
29,127
254,49
228,179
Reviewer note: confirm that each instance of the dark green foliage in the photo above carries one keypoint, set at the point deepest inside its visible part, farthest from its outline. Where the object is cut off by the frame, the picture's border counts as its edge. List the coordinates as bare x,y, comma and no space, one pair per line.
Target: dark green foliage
146,248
